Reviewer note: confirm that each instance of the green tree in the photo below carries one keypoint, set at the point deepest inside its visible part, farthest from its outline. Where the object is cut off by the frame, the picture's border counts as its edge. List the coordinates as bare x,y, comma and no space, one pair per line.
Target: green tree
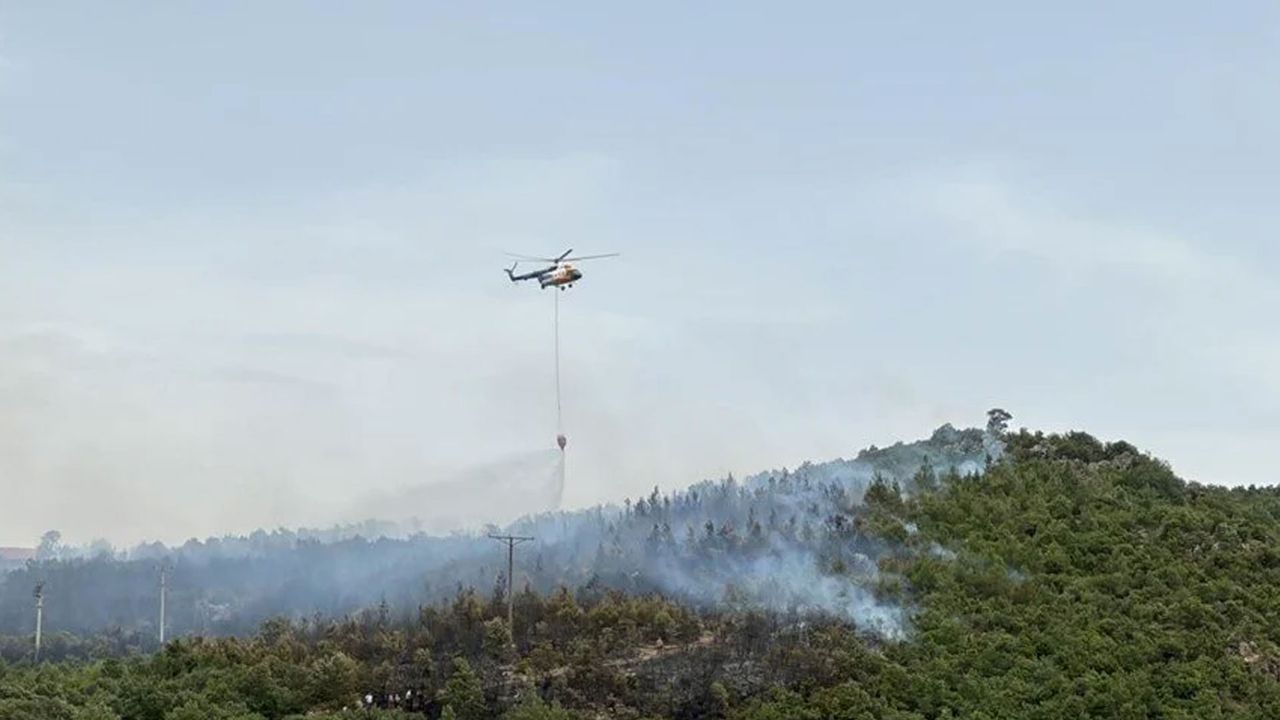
497,639
463,692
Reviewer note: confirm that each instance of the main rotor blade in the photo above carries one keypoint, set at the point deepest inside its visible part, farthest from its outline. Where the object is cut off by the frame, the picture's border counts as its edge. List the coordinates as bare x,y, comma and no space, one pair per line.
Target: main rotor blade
557,260
591,257
530,258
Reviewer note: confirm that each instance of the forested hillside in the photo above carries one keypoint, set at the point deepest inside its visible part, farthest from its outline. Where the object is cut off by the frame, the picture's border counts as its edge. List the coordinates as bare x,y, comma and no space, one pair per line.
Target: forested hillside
1072,579
781,540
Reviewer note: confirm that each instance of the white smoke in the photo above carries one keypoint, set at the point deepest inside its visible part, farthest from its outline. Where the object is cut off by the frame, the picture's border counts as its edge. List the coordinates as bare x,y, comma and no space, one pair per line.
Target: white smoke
787,580
793,543
804,555
496,492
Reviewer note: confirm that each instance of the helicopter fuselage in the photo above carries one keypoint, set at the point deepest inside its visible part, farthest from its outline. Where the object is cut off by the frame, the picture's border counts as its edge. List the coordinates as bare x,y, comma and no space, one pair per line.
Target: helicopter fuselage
561,276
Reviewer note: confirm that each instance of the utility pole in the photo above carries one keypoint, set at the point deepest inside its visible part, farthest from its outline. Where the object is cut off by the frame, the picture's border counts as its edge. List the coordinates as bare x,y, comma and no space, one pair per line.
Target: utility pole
164,587
511,541
39,616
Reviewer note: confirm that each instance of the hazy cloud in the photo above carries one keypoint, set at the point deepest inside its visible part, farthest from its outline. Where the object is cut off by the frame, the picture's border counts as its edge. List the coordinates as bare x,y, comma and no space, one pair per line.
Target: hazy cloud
1003,221
252,288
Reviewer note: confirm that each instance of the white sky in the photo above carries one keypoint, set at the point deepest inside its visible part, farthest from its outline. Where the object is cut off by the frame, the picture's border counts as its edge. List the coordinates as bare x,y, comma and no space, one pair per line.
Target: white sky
250,252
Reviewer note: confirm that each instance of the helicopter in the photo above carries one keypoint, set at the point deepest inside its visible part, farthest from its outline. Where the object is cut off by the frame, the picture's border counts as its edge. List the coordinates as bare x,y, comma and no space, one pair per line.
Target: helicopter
561,274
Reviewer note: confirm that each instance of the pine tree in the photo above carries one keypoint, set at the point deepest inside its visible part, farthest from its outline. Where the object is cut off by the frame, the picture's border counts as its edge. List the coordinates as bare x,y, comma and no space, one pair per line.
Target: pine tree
463,693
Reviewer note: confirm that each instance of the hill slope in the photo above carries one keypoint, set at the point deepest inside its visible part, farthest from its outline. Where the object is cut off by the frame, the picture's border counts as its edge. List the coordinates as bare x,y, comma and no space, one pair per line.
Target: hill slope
792,541
1072,579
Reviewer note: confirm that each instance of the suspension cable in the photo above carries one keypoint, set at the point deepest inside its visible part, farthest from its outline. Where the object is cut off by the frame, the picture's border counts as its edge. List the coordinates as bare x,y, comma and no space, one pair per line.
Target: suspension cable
559,407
